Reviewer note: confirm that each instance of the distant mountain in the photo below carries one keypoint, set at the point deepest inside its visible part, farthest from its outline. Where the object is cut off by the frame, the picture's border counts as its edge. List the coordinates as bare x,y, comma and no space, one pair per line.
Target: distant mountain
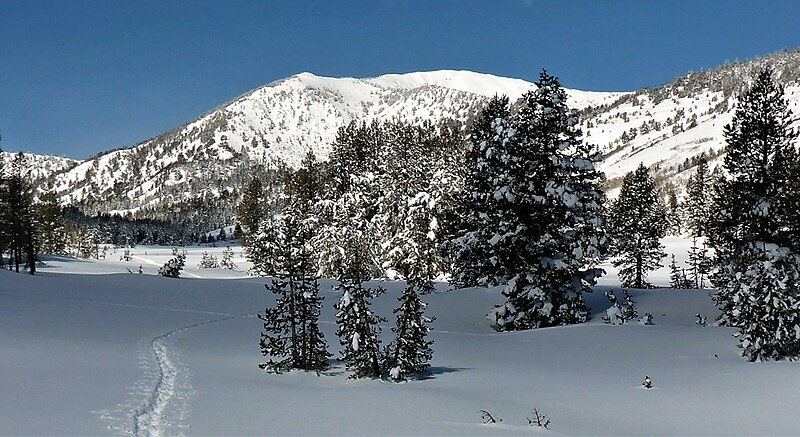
211,158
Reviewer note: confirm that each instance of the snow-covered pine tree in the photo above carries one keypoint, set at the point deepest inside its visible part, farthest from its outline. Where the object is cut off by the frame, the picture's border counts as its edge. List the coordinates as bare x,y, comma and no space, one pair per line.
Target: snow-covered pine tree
763,299
263,247
754,227
208,261
410,353
173,267
358,329
637,222
629,311
674,211
697,206
227,259
555,228
479,254
291,329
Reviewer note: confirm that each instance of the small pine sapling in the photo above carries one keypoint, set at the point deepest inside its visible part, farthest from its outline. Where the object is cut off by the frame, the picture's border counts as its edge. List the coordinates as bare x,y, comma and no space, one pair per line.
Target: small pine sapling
208,261
629,310
647,320
227,259
648,383
173,267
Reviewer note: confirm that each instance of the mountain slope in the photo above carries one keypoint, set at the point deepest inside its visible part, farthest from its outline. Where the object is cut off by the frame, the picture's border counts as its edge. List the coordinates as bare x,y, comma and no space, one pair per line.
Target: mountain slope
211,158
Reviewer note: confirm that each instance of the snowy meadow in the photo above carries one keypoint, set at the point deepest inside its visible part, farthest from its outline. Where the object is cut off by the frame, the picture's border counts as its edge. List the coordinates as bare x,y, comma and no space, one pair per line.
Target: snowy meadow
88,348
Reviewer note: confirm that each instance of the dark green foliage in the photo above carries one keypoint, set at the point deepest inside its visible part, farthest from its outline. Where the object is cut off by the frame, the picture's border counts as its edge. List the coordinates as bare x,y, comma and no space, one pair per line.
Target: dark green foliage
534,211
358,329
410,353
755,224
697,207
291,338
51,226
251,210
637,222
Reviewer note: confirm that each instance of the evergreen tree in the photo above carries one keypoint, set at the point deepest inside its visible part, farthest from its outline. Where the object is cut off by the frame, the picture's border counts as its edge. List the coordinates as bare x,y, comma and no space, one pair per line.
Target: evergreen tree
637,221
358,329
699,264
227,259
291,329
478,254
551,227
252,210
677,276
410,353
697,204
19,216
173,267
754,228
51,226
674,215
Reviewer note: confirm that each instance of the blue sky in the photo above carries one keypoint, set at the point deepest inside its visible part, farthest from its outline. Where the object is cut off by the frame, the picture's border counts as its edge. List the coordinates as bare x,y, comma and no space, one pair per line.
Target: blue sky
81,77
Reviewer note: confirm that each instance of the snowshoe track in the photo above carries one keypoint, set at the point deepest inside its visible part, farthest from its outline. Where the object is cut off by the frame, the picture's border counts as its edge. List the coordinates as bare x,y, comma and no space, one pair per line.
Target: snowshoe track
148,420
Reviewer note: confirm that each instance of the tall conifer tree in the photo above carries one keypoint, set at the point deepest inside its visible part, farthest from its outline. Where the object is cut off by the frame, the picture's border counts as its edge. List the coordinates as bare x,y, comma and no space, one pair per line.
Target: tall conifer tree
754,227
637,221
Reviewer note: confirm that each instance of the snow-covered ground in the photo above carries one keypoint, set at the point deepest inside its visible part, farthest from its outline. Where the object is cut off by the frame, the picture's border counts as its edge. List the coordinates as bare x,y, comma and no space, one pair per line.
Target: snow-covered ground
88,348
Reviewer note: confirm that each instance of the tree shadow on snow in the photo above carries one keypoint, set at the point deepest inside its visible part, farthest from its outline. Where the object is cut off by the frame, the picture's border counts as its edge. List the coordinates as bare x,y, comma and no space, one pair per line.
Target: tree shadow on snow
435,371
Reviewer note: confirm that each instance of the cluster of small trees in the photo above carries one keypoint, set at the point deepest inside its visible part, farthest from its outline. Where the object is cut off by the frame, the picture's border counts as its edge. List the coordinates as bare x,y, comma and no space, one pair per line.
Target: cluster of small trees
291,338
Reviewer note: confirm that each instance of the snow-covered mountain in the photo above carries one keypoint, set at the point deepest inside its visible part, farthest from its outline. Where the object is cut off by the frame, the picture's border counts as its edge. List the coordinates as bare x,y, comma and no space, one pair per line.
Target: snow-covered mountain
211,157
277,123
39,167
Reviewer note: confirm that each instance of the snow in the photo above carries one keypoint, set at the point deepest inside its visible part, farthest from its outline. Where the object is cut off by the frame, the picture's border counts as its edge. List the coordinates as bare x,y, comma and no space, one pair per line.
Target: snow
90,349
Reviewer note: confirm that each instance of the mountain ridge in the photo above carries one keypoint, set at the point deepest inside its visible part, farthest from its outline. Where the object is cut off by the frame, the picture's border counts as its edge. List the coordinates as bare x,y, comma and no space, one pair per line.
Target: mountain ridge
274,125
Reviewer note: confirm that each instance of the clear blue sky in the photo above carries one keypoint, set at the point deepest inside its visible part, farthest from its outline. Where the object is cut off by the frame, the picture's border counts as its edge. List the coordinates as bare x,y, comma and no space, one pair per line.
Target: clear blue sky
80,77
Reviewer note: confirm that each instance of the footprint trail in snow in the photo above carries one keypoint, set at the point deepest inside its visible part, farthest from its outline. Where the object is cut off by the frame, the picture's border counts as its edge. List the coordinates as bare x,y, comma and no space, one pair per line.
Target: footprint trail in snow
150,419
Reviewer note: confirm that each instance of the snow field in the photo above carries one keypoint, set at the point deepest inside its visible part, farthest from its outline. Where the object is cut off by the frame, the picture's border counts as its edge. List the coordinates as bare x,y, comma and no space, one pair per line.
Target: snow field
88,354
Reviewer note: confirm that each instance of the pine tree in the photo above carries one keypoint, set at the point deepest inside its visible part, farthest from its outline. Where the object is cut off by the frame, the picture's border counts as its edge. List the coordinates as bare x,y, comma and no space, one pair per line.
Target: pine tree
291,330
552,227
677,276
699,264
410,353
479,254
173,267
51,226
637,222
22,235
251,210
358,329
227,259
697,204
754,228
